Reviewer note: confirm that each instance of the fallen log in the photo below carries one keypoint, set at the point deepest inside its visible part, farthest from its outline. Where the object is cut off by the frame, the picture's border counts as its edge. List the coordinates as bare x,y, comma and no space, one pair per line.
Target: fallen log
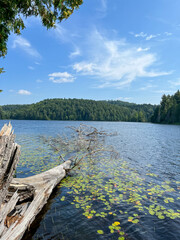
23,198
19,218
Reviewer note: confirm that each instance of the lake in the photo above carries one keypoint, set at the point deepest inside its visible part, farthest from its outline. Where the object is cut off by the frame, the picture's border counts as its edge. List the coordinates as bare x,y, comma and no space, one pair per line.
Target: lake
136,196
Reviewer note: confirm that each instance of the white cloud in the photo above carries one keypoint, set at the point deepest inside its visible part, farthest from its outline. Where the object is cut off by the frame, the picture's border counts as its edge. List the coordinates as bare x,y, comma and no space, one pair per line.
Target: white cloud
24,92
64,35
163,91
148,86
104,5
168,34
84,67
24,44
61,77
31,68
61,33
143,49
39,81
124,98
175,83
101,9
115,63
141,34
151,36
75,53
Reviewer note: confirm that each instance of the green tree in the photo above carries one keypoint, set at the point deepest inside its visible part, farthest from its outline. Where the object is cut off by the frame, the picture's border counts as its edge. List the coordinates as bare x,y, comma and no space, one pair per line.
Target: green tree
75,109
134,116
50,12
141,117
1,113
169,109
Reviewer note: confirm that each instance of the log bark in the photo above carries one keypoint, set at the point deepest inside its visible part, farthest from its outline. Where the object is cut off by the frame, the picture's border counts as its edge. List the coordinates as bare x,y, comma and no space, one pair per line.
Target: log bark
18,219
21,199
9,155
25,192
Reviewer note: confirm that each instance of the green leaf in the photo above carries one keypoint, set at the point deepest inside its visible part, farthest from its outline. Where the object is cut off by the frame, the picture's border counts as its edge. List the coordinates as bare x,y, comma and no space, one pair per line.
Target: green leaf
135,221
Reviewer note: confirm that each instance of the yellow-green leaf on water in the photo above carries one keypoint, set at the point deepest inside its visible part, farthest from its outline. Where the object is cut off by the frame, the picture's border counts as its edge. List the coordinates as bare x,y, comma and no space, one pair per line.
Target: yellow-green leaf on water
161,216
116,223
151,212
135,215
135,221
100,231
117,227
130,219
63,198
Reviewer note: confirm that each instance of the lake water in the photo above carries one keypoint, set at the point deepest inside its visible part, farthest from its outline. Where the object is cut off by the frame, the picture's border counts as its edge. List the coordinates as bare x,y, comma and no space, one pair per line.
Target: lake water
134,197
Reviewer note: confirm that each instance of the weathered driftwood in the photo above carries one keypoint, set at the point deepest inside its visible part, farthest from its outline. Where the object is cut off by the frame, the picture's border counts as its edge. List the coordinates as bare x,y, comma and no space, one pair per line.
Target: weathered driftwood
9,155
23,198
19,217
25,192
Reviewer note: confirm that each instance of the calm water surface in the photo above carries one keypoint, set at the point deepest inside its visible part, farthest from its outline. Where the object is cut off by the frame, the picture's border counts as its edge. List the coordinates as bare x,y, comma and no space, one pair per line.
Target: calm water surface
145,183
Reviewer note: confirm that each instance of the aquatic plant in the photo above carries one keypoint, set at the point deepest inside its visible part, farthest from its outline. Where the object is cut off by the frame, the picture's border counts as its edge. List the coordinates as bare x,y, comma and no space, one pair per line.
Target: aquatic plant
105,188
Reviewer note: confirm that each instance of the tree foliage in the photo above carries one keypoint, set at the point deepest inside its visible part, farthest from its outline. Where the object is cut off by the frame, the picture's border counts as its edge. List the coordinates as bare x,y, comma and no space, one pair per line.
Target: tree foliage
79,109
1,113
169,109
13,11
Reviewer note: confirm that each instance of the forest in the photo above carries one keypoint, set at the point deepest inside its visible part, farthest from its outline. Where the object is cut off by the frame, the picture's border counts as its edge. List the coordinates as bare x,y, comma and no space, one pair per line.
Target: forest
79,109
90,110
169,110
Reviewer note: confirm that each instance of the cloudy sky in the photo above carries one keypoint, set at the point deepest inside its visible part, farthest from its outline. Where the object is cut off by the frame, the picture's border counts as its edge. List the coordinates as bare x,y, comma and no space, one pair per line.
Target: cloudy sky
108,49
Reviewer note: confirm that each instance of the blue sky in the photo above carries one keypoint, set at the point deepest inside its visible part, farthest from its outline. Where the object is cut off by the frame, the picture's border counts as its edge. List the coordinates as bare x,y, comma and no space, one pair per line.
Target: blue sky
108,49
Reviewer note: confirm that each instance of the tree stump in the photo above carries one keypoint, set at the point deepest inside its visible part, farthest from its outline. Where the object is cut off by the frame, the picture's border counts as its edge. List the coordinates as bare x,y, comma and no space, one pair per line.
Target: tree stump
9,156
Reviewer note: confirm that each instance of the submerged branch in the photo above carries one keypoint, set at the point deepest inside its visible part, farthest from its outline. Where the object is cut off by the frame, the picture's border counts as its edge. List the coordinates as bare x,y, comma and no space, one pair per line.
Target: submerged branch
83,142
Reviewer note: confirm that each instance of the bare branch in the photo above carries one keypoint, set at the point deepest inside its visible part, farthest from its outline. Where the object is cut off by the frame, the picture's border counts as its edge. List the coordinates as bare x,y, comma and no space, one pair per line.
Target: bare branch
84,141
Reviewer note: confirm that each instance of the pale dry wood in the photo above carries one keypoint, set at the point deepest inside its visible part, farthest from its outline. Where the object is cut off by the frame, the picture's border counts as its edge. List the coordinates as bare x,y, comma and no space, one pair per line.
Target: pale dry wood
5,210
21,199
6,130
16,214
44,184
9,156
25,191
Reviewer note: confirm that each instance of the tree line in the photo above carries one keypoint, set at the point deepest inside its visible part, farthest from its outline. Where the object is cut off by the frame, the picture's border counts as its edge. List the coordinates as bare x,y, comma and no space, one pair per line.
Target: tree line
169,110
90,110
79,109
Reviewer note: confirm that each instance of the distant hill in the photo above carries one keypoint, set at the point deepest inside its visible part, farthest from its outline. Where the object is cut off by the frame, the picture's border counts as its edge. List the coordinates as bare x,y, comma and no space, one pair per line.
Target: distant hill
169,110
79,109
